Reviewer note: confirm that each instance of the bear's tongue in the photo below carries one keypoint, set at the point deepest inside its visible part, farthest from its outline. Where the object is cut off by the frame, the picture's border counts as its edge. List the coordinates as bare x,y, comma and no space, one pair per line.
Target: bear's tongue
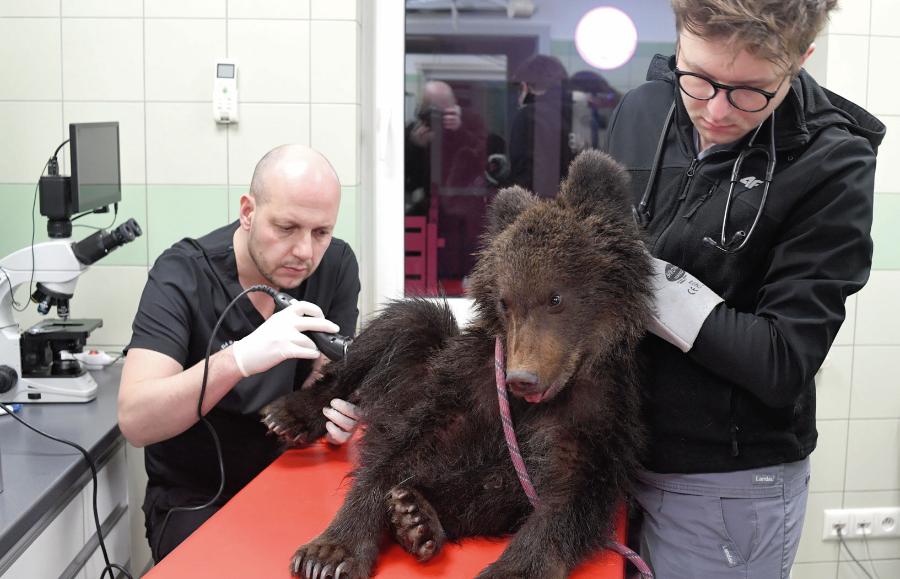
534,398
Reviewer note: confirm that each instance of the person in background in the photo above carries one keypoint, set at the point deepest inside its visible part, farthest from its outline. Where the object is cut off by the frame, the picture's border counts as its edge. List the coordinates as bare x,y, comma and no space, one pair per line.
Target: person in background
445,177
444,148
540,131
754,185
593,100
283,239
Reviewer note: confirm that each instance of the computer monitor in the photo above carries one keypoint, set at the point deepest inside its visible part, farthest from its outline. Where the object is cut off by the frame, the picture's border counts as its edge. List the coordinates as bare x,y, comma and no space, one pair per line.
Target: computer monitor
96,181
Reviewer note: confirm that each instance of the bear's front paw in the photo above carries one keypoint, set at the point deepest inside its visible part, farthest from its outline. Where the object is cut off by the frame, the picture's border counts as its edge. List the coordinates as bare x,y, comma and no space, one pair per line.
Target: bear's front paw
296,418
327,559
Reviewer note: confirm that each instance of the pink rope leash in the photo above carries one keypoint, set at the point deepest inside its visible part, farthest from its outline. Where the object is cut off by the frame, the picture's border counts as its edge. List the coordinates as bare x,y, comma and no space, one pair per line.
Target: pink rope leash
506,417
519,464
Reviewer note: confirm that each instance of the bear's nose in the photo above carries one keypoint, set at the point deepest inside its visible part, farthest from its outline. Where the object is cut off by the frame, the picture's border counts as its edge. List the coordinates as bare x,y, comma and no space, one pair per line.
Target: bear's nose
521,380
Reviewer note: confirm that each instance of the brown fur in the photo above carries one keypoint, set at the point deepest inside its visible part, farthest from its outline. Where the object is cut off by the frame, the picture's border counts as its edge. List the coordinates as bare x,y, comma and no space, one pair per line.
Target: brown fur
565,284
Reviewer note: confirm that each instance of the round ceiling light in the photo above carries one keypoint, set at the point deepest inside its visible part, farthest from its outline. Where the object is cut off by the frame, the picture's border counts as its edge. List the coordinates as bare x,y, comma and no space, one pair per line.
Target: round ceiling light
606,37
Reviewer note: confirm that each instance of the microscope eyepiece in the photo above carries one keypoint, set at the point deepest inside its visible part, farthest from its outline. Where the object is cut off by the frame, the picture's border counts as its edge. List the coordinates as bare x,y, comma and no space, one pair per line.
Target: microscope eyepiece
97,245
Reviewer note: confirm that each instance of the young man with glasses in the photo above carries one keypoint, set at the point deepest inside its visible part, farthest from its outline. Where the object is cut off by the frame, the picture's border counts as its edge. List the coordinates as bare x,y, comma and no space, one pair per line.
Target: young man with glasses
758,182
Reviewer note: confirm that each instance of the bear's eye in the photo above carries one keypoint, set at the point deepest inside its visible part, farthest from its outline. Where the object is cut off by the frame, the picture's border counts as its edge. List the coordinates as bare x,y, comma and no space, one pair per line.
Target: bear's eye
555,301
502,305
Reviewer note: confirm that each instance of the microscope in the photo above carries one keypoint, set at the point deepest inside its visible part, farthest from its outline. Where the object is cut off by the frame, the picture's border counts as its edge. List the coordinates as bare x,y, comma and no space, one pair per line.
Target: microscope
36,365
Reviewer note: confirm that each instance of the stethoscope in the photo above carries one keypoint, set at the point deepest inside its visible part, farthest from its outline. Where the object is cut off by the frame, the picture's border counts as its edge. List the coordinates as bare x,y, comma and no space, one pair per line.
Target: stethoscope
740,238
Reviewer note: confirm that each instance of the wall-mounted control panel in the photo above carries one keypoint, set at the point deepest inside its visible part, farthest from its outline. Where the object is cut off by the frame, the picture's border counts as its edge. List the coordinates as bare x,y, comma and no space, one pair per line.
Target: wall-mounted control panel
225,92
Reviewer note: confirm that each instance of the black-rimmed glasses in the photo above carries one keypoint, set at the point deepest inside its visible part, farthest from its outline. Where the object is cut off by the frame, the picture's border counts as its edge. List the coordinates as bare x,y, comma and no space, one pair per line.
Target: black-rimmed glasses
746,98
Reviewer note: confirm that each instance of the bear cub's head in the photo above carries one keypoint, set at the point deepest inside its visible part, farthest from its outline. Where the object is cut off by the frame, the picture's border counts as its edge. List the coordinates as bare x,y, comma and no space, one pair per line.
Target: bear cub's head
565,281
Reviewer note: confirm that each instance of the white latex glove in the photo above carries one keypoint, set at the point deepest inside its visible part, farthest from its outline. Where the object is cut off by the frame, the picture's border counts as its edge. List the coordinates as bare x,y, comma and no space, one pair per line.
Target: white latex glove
280,338
343,418
681,303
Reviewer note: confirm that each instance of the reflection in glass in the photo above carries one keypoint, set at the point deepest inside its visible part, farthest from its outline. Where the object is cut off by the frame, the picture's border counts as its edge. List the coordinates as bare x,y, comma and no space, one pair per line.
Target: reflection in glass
494,99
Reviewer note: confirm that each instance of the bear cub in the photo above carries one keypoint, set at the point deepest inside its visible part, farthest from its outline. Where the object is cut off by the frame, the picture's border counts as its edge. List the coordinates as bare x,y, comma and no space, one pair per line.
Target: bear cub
562,287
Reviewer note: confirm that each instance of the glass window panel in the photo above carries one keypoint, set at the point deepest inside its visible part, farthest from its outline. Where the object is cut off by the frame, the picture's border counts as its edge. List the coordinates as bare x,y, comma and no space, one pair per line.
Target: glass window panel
493,101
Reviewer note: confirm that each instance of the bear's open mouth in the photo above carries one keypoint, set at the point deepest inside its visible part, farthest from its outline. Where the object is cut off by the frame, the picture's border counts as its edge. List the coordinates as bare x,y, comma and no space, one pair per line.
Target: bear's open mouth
542,396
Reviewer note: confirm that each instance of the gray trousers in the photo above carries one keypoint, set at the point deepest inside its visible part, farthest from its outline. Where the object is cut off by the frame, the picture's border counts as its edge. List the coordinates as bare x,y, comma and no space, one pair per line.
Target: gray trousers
744,524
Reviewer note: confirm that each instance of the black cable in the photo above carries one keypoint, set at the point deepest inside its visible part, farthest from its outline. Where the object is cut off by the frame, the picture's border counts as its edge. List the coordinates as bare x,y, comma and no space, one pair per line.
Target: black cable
17,306
212,431
855,560
80,215
109,566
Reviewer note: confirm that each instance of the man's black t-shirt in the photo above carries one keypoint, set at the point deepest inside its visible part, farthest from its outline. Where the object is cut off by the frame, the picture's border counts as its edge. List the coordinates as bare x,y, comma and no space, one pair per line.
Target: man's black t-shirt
188,288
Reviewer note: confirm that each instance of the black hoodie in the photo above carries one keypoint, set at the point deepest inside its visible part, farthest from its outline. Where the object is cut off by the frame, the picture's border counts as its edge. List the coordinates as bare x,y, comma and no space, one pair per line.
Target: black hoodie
744,396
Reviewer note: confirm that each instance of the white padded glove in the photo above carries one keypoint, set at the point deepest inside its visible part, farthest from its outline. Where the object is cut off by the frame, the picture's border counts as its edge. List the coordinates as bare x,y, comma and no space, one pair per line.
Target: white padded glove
681,303
343,418
280,338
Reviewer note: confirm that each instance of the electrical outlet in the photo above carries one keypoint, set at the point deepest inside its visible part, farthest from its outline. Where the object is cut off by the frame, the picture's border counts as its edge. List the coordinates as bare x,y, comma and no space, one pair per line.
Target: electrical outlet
836,520
871,523
886,522
862,523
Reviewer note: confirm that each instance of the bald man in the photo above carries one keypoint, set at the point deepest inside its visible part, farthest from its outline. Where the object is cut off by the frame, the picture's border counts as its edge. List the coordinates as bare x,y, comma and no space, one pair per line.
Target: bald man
283,239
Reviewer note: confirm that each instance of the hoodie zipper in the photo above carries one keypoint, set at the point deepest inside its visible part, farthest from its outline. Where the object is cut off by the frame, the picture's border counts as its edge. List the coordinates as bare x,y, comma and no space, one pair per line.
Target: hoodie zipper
701,201
691,171
735,449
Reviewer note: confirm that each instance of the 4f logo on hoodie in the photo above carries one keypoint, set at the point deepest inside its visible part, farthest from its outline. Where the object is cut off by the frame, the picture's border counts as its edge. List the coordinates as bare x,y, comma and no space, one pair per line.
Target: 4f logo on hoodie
750,182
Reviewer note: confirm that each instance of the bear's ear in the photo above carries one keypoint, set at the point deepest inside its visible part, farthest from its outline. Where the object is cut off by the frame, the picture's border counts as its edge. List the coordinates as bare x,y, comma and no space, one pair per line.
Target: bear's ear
596,184
506,207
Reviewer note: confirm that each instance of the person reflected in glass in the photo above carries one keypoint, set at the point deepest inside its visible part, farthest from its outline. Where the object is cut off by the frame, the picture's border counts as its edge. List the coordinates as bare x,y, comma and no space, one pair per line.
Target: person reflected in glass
593,100
539,138
444,147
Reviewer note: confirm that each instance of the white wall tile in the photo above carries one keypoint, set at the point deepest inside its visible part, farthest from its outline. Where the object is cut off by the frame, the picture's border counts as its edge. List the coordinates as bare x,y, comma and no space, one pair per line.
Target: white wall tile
268,9
884,569
844,75
883,87
131,132
833,383
873,463
111,293
104,8
334,131
36,131
184,144
334,9
181,56
814,571
816,64
29,8
850,17
876,373
878,309
263,127
845,334
333,62
828,460
29,51
812,547
879,548
887,174
102,59
885,15
182,9
273,57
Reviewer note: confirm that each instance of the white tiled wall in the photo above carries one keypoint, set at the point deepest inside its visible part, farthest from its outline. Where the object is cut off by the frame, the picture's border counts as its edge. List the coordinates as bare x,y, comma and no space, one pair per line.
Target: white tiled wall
857,462
149,65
